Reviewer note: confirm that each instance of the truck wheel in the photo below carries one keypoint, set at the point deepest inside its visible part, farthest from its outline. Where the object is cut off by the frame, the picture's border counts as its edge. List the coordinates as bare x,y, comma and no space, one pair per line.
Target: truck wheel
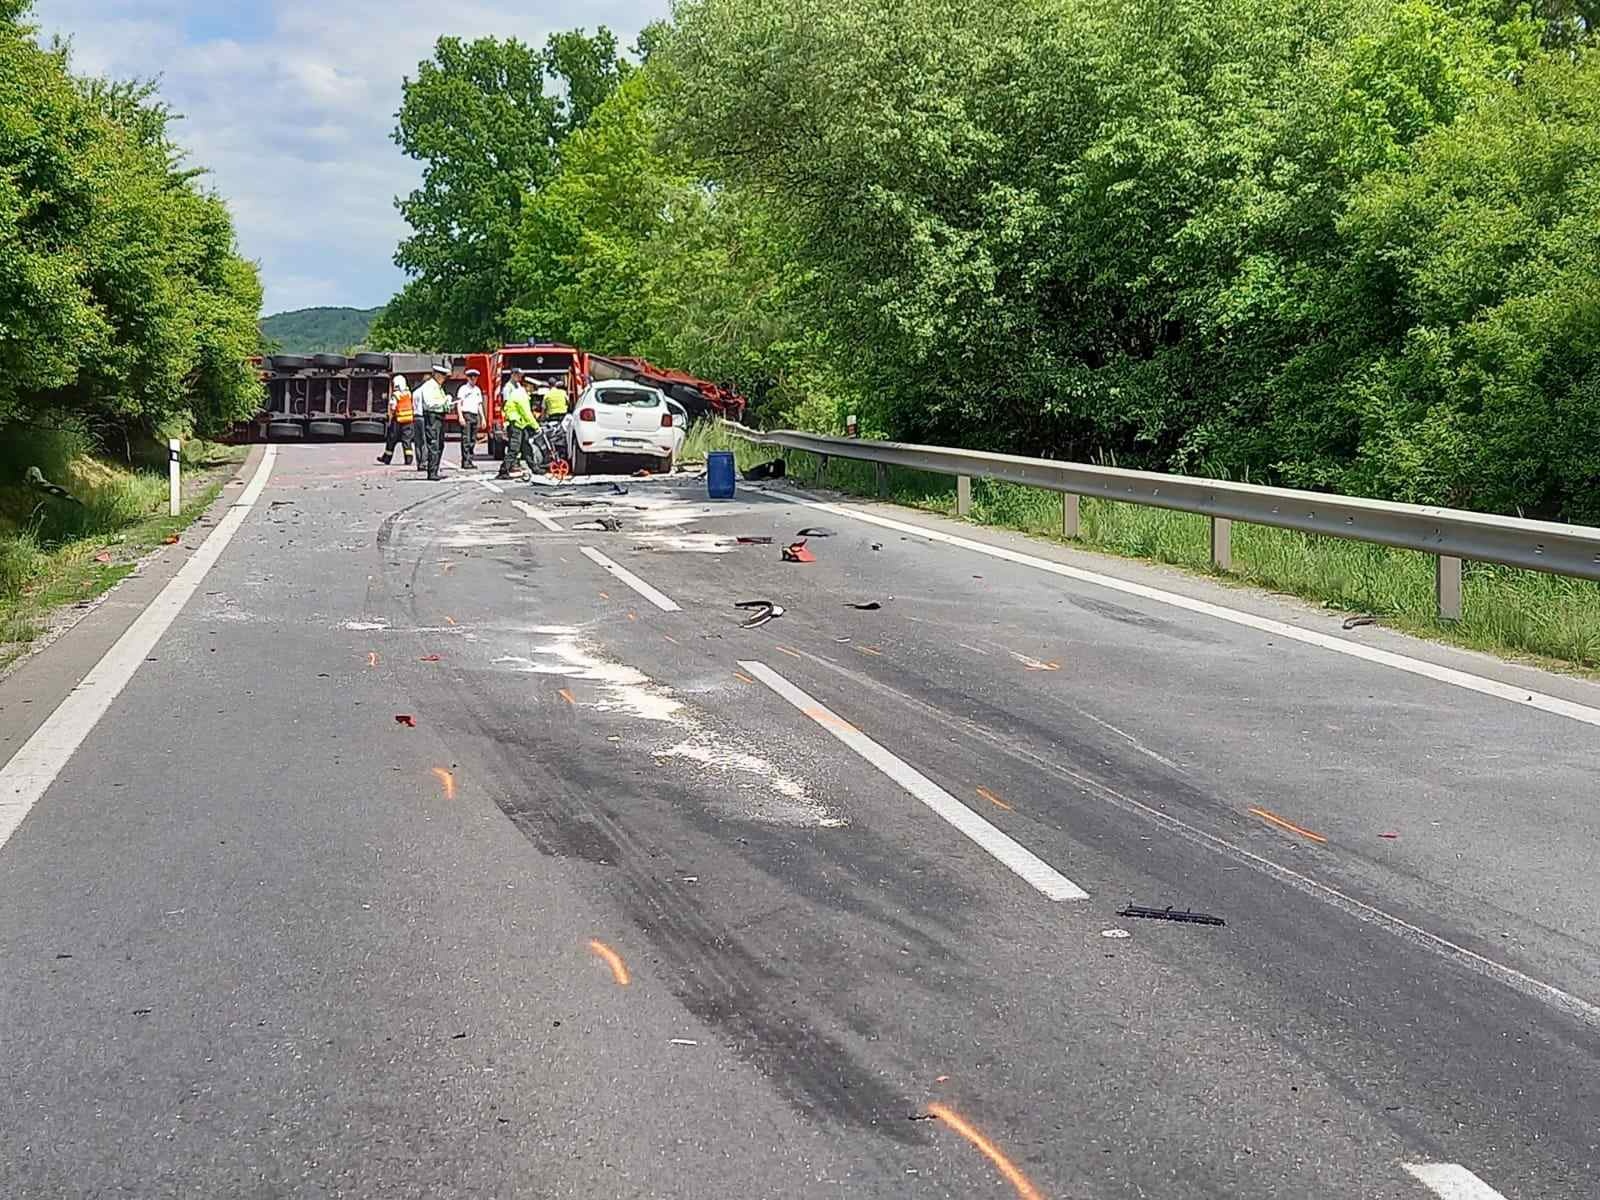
369,429
375,362
289,362
330,362
327,429
285,430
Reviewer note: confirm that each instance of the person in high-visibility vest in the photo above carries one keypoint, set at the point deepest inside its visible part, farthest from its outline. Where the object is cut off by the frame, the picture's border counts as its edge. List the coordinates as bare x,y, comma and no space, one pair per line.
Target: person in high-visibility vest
401,417
519,420
435,403
555,403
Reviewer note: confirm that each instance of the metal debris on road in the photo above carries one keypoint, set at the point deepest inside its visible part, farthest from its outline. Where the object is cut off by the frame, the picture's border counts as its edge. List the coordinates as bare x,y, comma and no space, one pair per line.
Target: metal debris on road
684,1042
797,553
1187,917
869,606
1357,622
877,545
764,611
822,533
754,541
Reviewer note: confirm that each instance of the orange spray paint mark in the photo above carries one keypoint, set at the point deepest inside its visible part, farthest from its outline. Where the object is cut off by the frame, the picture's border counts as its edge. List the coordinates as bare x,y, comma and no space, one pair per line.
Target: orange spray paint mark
633,616
372,658
994,800
742,677
447,780
566,695
605,595
1275,819
619,969
789,652
988,1149
870,650
672,639
452,620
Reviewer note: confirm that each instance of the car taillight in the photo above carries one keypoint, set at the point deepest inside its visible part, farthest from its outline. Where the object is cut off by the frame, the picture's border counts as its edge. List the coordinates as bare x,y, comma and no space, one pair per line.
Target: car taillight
586,414
666,420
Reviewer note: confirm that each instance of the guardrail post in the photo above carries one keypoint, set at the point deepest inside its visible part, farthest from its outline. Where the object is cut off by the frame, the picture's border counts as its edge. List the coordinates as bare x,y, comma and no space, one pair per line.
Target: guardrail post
822,467
1070,515
883,478
174,489
1447,587
963,495
1222,543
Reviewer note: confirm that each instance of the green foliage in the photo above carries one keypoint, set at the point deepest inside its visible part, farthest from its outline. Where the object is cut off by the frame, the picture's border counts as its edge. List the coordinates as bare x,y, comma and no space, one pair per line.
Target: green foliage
481,119
320,330
126,306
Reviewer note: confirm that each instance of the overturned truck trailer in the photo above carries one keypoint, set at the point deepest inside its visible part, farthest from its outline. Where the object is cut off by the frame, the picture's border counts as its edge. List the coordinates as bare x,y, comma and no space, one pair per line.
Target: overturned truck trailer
699,397
332,396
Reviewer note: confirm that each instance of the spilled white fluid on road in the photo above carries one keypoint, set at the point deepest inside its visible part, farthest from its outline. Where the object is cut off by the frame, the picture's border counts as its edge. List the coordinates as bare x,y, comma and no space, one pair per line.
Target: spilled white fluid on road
364,626
771,796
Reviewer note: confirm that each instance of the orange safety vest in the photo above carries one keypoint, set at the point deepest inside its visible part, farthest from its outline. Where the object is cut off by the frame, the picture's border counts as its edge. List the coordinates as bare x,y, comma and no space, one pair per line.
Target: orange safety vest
402,408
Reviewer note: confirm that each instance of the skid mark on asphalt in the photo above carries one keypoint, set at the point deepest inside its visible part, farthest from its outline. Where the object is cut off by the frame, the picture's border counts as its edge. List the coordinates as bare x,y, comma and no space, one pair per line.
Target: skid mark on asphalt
1450,1181
619,969
1010,853
988,1149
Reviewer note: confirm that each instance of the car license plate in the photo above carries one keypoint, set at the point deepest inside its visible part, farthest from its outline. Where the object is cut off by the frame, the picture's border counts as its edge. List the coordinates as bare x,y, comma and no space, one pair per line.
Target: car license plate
622,441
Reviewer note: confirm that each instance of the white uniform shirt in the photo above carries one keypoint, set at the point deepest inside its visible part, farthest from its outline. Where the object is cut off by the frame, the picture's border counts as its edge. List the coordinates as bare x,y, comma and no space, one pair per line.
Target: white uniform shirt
469,399
430,397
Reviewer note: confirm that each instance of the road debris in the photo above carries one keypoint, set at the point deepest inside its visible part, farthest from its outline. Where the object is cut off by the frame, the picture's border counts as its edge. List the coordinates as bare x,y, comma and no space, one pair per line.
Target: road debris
821,533
877,545
754,541
429,658
776,469
869,606
684,1042
1357,622
170,540
797,553
1187,917
405,719
1115,933
763,611
103,557
1390,836
606,524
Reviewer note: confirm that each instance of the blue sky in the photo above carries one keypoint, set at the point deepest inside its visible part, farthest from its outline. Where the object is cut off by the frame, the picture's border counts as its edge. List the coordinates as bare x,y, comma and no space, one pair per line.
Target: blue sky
289,104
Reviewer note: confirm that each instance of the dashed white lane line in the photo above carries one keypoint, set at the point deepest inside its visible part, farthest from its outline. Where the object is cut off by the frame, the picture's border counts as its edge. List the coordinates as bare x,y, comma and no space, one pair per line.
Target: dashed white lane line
1007,851
663,602
1473,683
529,510
33,768
1449,1181
493,487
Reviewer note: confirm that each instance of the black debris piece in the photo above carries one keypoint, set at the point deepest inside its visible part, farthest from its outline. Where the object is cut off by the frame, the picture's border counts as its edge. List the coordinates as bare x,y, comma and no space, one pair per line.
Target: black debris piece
577,503
869,606
1357,622
877,545
776,469
754,541
815,533
1187,917
608,524
619,489
762,612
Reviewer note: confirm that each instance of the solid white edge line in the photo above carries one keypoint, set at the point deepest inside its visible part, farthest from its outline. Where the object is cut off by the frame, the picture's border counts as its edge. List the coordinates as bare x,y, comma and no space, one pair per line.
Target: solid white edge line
1010,853
1399,662
493,487
663,602
28,774
1450,1181
529,510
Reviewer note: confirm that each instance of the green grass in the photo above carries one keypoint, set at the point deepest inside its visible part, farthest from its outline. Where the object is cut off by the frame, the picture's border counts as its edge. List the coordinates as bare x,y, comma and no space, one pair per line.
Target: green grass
50,550
1508,612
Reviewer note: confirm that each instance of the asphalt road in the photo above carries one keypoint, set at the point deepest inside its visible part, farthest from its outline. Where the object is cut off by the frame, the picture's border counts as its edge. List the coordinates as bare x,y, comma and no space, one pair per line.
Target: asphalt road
647,904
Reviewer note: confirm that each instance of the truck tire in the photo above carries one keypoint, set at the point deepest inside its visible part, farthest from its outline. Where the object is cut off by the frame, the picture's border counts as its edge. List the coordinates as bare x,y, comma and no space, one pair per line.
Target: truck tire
369,429
327,429
330,362
375,362
279,431
289,362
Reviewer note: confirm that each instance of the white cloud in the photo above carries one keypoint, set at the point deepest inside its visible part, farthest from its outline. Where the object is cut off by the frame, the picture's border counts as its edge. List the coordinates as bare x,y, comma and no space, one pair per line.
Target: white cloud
290,103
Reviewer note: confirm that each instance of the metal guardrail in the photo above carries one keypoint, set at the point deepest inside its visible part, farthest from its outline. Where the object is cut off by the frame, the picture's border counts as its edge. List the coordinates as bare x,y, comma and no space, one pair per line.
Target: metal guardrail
1450,534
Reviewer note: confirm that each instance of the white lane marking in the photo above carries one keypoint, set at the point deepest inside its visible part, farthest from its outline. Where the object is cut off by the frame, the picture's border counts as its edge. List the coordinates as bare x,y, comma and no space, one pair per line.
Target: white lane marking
493,487
529,510
664,603
1386,658
33,768
1449,1181
1011,854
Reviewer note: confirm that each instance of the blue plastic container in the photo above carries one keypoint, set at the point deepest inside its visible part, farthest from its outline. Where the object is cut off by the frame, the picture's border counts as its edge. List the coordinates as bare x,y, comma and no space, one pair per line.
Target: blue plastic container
720,475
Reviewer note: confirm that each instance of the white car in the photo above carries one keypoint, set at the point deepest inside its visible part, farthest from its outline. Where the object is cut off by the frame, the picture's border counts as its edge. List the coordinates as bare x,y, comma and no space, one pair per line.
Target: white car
624,419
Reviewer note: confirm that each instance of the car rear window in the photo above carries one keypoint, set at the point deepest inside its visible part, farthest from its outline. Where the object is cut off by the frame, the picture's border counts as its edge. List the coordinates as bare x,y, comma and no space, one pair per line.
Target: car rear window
627,398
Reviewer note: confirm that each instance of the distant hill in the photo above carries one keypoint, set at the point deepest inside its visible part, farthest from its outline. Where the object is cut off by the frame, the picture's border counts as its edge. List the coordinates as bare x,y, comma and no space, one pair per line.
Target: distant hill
319,330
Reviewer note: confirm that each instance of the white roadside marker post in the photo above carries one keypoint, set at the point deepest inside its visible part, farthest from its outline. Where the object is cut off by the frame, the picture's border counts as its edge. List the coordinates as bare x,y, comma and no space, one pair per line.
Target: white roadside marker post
173,498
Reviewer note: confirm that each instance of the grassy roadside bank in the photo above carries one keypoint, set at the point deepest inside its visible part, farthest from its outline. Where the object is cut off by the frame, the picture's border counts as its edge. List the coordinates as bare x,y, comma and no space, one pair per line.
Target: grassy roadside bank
1507,612
54,553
